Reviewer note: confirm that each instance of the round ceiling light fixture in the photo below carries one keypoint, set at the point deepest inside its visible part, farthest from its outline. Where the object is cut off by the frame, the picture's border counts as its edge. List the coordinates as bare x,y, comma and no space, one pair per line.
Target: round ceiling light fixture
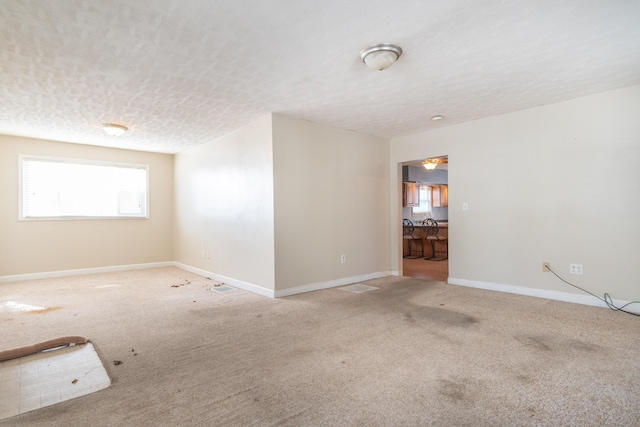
380,56
113,129
436,118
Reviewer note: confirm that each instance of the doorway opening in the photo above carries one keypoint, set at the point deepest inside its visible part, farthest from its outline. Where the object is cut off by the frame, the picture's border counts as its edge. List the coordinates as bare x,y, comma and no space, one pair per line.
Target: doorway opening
425,196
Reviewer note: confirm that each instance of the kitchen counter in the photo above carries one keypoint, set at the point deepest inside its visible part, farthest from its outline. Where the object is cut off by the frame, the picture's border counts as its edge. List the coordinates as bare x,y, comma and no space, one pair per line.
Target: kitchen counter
443,229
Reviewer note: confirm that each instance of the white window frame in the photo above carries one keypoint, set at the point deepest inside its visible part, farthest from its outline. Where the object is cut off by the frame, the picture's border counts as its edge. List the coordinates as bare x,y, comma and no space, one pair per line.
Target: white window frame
426,206
21,213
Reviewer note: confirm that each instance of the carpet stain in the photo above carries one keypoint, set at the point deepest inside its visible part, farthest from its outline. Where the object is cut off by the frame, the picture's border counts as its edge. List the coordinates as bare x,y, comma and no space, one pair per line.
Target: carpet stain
556,343
583,346
539,342
525,379
439,316
461,390
453,390
408,317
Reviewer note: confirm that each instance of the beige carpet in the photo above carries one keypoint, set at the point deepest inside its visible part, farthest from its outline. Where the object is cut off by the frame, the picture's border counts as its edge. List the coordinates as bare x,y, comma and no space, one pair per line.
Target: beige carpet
409,353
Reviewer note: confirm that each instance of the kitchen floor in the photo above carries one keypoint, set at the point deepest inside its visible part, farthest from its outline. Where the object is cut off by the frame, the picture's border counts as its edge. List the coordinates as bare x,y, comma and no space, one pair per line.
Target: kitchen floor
425,269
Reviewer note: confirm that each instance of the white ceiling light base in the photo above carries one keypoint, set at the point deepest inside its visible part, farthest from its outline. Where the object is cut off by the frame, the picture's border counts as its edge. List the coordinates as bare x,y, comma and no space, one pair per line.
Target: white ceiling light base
380,56
113,129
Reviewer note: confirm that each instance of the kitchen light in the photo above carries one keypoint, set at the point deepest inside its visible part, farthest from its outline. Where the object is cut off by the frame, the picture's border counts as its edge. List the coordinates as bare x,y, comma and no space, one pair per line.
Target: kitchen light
113,129
438,117
380,56
430,164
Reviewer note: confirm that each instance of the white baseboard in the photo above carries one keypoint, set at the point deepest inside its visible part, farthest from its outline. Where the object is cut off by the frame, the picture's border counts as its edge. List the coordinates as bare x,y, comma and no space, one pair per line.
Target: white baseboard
283,292
83,271
227,280
329,284
520,290
538,293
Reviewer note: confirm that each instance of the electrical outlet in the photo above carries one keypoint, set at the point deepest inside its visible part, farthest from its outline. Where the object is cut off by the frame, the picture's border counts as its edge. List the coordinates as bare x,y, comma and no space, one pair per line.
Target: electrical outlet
343,259
546,267
575,268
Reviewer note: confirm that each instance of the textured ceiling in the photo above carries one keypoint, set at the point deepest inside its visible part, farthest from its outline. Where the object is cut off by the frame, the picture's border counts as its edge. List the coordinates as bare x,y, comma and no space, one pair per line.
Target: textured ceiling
180,73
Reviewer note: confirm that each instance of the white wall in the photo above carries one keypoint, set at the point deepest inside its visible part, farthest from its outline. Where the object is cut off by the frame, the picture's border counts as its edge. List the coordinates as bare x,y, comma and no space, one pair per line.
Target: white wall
224,206
30,247
557,183
331,198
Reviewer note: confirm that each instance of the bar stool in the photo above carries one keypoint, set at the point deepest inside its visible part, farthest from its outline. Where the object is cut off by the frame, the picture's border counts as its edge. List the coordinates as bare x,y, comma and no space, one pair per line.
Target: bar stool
430,228
408,234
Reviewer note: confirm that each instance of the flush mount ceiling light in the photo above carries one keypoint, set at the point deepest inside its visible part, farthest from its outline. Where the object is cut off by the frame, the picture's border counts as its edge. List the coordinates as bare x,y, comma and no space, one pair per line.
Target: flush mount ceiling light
430,164
380,56
113,129
438,117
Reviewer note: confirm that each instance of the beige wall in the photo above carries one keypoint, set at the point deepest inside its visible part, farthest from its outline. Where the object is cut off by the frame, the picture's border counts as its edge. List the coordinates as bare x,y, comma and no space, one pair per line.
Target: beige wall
331,199
277,202
46,246
557,183
224,206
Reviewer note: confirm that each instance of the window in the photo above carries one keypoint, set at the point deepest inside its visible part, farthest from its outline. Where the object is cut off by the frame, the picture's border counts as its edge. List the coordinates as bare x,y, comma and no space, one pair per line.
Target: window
54,188
425,202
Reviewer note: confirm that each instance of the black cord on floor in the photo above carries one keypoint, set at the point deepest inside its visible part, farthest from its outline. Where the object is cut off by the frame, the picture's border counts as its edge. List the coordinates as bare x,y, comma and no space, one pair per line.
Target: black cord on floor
607,298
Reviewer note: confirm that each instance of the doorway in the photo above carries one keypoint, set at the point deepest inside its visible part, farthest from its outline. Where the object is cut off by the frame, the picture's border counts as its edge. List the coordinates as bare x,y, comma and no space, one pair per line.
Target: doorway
433,184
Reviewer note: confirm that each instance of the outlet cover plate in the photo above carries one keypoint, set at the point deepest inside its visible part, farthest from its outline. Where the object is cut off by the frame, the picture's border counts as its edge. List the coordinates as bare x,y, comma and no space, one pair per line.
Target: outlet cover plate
575,269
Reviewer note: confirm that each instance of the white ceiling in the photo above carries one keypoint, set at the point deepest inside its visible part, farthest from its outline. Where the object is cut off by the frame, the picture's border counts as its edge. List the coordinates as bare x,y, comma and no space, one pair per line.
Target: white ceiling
180,73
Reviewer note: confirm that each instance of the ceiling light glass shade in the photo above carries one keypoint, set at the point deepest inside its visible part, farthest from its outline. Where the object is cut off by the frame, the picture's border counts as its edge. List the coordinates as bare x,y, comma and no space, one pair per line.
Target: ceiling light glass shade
380,56
430,164
114,130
